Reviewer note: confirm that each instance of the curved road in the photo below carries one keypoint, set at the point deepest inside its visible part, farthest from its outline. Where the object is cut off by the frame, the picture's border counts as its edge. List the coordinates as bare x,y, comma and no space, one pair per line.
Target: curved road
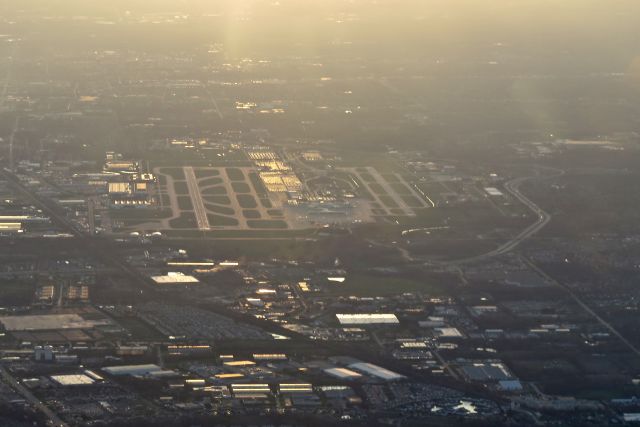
513,187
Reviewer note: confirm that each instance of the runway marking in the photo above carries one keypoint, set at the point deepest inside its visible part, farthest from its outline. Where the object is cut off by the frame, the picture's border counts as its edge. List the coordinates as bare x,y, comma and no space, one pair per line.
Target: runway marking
196,198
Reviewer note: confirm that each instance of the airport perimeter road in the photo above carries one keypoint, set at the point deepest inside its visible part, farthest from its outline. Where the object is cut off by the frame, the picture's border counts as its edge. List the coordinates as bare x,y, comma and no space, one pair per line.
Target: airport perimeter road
196,199
542,219
54,420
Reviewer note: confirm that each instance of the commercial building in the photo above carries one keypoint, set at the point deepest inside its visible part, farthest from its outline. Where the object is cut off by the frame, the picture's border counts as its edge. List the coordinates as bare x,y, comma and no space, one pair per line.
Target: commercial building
376,371
343,373
174,278
367,319
137,370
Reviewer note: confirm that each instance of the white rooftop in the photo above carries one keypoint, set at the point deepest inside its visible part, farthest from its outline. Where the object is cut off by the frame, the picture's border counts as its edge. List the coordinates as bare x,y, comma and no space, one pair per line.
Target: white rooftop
376,371
448,332
367,319
342,373
492,191
78,379
133,370
174,278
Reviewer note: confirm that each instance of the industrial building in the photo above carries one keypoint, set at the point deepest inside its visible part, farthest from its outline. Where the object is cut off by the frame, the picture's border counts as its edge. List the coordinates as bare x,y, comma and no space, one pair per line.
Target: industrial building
367,319
174,278
343,373
376,371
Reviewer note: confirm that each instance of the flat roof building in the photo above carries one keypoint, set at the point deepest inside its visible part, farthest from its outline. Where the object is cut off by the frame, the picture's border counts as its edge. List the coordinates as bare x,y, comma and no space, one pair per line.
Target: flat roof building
174,278
376,371
77,379
367,319
136,370
342,373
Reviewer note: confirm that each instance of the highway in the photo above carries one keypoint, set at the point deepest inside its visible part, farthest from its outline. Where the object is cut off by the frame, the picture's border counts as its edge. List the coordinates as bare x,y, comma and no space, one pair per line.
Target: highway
585,307
54,420
196,199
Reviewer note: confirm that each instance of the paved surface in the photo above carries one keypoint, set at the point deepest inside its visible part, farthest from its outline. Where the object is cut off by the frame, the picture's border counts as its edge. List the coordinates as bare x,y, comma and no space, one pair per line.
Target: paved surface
585,307
196,199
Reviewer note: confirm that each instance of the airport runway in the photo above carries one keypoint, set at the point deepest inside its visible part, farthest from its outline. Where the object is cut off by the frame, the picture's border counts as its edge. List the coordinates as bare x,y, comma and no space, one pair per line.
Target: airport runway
196,199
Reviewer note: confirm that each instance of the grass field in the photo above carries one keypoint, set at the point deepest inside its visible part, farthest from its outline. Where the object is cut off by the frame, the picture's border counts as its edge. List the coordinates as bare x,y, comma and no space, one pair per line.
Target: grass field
247,201
235,174
219,209
267,223
361,284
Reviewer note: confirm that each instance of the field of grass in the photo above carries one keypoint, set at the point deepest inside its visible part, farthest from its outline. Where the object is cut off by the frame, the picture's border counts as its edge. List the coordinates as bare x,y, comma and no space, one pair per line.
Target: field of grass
219,220
13,292
388,201
250,247
400,188
266,203
251,214
213,191
267,223
218,200
235,174
180,187
247,201
210,181
241,187
361,284
175,173
411,201
185,220
258,185
206,173
377,188
220,209
184,203
142,214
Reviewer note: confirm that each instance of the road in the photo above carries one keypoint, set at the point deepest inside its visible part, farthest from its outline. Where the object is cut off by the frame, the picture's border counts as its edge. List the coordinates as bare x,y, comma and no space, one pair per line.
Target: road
584,306
196,199
54,420
108,254
542,219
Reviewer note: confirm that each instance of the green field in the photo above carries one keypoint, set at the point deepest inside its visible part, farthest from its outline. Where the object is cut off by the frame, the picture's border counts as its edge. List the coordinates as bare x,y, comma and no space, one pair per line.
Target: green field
213,191
220,209
241,187
210,181
185,220
206,173
219,221
361,284
218,200
266,203
175,173
251,214
266,223
247,201
184,203
235,174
